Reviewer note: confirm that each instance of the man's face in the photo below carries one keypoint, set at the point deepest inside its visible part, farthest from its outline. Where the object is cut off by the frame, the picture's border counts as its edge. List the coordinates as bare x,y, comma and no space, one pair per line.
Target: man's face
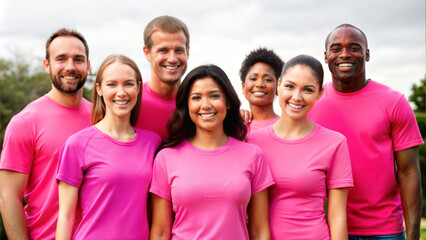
68,66
168,56
346,54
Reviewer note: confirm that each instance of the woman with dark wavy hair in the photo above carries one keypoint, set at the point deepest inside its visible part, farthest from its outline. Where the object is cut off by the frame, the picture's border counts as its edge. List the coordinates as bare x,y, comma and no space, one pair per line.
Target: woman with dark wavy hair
204,173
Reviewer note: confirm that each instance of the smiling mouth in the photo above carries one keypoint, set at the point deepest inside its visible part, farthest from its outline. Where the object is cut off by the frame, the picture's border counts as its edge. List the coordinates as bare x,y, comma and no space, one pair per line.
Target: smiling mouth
171,67
298,107
259,94
121,102
207,115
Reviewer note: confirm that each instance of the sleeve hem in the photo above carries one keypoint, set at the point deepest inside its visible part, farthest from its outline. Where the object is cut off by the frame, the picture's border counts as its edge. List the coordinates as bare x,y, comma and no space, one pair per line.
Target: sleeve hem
262,187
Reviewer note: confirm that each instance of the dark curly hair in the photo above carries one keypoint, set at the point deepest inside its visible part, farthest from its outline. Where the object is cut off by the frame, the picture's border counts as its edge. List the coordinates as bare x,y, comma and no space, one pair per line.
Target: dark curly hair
262,55
180,125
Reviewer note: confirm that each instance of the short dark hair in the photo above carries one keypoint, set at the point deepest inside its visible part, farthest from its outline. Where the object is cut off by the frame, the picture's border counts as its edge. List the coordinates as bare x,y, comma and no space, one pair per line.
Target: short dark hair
347,25
167,24
64,32
262,55
180,125
307,61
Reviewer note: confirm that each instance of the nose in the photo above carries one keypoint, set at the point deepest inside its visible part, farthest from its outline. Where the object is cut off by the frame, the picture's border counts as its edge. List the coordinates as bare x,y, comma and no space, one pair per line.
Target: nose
260,83
205,103
70,66
345,53
172,57
120,91
297,96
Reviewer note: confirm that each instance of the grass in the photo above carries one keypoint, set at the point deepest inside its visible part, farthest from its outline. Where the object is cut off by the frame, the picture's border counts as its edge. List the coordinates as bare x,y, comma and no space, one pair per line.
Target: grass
423,229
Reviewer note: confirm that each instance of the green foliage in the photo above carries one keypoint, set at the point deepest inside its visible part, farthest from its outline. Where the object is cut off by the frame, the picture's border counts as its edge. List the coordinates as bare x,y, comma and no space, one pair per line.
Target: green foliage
418,95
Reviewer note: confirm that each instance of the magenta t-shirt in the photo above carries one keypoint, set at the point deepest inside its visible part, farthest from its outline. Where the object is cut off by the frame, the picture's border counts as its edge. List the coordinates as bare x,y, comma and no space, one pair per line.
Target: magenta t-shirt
303,170
377,121
113,179
210,189
256,125
156,110
32,143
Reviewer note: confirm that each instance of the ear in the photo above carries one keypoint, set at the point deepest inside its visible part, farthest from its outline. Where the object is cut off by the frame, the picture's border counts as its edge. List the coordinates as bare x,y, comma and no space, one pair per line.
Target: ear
187,51
278,86
325,57
46,66
88,67
242,86
98,89
147,53
140,86
367,55
320,94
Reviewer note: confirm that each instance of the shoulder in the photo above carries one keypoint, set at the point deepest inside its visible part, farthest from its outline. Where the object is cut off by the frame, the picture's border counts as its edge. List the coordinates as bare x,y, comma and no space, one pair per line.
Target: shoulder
247,148
330,134
82,137
149,135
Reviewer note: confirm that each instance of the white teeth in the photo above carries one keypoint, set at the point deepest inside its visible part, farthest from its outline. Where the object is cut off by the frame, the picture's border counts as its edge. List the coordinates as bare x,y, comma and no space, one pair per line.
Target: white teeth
259,94
171,67
207,115
345,64
69,77
121,102
295,106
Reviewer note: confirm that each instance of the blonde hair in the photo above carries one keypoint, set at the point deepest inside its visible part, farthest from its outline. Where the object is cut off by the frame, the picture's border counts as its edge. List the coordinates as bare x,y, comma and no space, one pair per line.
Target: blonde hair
98,104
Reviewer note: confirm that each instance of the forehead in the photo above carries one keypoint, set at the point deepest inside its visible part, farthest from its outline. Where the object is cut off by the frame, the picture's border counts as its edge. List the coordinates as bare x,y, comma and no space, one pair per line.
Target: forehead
118,70
161,38
260,66
345,35
67,45
204,84
301,75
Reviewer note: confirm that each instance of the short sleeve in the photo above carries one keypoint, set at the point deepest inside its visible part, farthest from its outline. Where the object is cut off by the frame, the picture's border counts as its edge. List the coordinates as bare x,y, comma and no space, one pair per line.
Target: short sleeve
262,177
339,173
71,166
18,146
160,185
405,132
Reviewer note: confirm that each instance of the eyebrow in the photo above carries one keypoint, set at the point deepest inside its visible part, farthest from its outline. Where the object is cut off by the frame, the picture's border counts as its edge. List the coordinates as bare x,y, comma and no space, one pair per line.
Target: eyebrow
214,91
351,44
313,86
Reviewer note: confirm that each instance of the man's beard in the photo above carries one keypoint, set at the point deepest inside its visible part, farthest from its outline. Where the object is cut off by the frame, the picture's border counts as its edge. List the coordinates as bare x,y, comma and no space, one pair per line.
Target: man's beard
56,81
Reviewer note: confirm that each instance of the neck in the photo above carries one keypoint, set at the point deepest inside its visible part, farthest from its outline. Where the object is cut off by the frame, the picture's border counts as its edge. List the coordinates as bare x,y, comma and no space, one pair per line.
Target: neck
293,129
66,99
209,140
263,113
118,128
163,88
354,85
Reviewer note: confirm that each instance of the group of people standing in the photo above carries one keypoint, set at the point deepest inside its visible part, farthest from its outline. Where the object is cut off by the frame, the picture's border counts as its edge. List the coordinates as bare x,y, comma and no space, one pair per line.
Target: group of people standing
86,169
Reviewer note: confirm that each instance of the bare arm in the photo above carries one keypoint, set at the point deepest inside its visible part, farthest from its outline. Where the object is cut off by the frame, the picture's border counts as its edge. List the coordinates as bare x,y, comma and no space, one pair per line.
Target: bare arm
246,115
68,196
161,218
12,187
336,213
258,216
408,175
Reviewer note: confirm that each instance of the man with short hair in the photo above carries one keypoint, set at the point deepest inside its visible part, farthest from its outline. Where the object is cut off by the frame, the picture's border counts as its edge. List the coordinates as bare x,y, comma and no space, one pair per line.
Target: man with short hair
382,135
34,138
166,47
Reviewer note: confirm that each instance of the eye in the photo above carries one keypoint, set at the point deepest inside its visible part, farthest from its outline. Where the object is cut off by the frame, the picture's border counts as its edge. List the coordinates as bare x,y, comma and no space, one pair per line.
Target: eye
111,84
288,86
195,97
309,90
60,59
129,84
215,96
269,80
355,49
252,78
334,49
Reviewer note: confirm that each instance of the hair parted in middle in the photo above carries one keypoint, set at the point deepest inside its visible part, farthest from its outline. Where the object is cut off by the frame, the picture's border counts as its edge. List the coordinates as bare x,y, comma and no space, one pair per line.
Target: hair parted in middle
180,125
99,108
308,61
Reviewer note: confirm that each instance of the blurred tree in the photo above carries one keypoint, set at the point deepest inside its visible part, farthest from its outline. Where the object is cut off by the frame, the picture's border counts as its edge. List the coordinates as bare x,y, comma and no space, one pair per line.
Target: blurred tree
418,95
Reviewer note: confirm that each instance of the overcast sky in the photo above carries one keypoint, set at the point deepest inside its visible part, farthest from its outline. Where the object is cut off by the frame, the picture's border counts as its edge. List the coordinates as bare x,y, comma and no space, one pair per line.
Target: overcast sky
224,31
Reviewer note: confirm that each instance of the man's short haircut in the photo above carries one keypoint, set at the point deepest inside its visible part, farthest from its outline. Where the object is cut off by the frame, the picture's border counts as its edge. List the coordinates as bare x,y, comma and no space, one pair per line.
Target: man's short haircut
261,55
347,25
64,32
167,24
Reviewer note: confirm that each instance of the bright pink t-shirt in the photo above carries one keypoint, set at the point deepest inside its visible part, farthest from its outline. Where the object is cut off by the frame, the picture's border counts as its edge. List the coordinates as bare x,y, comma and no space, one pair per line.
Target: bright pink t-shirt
256,125
210,189
156,110
303,170
377,121
32,143
113,178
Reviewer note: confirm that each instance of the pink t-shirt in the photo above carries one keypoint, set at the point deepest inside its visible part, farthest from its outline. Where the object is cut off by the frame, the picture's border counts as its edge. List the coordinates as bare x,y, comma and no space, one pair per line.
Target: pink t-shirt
32,143
210,189
377,121
256,125
113,178
303,170
155,111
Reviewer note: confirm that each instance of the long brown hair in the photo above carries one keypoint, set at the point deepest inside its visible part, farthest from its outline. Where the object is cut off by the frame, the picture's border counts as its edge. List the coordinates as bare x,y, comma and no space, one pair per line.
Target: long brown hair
98,109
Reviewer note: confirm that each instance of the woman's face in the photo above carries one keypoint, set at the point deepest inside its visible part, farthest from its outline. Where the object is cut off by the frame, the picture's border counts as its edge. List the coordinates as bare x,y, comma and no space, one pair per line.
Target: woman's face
260,84
119,89
207,105
297,92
